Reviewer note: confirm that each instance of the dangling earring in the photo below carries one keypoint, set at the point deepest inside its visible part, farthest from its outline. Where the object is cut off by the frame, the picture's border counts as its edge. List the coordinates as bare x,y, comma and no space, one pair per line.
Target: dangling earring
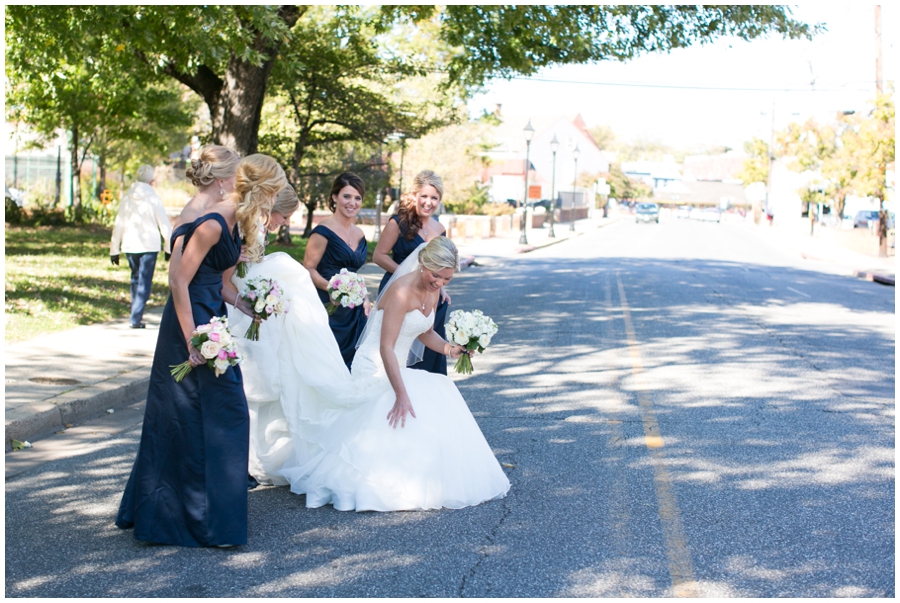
221,192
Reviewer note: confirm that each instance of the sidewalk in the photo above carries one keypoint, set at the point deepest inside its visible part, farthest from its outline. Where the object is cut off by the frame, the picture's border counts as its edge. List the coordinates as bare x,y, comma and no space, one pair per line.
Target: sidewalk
839,260
59,380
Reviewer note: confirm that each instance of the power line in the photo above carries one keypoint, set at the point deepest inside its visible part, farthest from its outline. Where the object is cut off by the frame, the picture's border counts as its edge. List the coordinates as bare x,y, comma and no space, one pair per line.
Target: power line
694,86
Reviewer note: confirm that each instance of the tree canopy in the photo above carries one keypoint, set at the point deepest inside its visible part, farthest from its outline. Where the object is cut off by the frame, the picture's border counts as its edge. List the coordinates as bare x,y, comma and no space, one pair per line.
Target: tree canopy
227,53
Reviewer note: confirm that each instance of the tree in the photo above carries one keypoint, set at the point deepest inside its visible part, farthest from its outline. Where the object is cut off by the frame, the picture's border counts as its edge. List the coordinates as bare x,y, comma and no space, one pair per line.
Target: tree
458,153
506,40
328,89
86,94
223,53
226,53
624,188
873,144
756,166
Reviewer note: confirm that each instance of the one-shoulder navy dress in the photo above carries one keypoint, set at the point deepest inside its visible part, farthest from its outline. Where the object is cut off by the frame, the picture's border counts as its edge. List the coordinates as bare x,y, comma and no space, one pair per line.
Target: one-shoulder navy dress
431,360
347,324
188,486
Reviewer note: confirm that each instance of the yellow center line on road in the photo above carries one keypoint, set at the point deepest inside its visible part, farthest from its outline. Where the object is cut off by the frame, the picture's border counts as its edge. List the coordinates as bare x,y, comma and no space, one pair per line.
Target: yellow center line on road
681,569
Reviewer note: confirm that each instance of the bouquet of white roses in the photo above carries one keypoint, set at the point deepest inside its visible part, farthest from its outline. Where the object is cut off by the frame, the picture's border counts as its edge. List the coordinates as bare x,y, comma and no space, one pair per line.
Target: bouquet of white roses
266,299
215,344
346,289
472,330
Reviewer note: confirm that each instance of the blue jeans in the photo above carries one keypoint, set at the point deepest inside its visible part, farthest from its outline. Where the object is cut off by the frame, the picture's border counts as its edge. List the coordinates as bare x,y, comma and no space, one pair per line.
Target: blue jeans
142,267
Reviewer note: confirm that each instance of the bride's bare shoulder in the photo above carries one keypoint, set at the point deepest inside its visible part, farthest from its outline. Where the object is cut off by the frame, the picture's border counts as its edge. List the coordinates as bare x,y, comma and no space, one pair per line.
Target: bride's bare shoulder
400,292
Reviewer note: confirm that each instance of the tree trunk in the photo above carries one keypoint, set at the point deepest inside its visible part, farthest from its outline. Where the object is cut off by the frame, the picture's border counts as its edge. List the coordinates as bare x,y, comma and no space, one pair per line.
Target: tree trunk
310,208
76,177
101,182
284,236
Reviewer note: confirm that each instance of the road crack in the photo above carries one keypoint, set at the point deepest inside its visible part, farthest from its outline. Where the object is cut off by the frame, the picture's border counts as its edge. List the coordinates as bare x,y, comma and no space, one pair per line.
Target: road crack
485,549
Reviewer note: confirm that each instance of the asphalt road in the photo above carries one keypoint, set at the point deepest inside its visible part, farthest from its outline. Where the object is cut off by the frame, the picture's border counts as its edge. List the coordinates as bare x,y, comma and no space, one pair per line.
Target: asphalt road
681,408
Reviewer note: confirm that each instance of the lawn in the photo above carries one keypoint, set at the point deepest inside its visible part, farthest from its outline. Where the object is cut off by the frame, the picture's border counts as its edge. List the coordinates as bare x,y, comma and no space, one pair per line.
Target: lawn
59,277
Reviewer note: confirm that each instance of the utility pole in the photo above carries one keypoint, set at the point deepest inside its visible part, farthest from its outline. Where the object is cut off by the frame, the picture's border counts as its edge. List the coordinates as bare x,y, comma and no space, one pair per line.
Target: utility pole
878,80
771,158
882,214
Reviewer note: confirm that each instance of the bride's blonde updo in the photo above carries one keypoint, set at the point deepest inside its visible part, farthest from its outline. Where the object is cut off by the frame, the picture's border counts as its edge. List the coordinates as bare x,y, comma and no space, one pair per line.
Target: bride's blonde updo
213,163
257,182
440,253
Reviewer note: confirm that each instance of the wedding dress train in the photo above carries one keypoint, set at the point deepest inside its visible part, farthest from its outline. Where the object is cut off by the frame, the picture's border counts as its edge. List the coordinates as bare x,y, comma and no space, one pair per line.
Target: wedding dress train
325,431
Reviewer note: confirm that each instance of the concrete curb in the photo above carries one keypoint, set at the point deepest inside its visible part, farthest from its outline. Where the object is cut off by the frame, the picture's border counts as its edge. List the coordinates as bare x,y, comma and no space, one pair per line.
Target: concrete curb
42,418
548,242
874,277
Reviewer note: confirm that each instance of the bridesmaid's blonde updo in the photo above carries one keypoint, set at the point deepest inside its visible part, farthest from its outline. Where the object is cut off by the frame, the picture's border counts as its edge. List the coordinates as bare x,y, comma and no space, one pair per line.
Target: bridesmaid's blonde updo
440,253
286,202
213,163
257,182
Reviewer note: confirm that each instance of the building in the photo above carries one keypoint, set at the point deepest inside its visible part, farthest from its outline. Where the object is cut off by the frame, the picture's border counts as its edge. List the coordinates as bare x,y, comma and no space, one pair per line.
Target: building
505,175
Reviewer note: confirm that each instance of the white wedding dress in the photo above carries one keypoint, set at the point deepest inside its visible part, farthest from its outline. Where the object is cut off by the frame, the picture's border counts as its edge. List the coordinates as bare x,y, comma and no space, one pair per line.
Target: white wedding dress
325,432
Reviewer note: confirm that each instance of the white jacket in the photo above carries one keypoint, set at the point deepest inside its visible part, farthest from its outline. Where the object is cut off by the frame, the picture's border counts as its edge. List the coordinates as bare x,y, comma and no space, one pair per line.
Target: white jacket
141,219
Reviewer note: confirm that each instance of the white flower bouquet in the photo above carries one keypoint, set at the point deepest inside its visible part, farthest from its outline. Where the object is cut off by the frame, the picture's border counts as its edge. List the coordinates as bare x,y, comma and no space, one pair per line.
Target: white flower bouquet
266,299
473,330
346,289
215,344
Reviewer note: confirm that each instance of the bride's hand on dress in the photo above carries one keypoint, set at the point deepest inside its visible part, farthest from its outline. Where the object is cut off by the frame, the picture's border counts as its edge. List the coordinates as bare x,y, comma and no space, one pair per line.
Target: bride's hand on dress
398,412
367,306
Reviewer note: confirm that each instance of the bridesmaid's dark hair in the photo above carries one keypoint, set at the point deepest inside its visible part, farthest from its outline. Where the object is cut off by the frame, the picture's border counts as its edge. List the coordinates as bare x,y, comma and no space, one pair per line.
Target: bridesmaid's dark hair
409,217
345,179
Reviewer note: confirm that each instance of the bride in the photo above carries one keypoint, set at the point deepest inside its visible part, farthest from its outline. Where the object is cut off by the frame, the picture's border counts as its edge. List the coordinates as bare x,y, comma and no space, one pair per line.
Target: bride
384,438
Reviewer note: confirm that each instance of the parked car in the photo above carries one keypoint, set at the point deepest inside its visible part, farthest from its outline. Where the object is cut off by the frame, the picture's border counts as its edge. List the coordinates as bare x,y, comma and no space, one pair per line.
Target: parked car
707,214
868,218
864,217
683,211
646,212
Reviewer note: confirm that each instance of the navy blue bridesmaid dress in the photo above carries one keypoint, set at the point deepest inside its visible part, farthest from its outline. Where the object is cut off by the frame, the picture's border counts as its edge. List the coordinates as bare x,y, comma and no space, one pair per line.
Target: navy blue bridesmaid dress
431,360
347,324
188,486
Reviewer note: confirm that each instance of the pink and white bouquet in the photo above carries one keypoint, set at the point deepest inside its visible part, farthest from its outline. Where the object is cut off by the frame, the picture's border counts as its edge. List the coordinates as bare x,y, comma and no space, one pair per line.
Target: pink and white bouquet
266,299
472,330
216,344
346,289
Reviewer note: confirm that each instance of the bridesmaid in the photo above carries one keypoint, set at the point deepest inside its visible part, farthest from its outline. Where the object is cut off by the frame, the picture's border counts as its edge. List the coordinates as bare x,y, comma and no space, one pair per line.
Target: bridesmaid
188,486
413,225
338,243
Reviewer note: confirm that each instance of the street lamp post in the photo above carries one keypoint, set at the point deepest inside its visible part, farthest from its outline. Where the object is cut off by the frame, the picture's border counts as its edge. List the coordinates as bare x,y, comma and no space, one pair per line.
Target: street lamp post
575,154
529,132
402,151
554,146
378,202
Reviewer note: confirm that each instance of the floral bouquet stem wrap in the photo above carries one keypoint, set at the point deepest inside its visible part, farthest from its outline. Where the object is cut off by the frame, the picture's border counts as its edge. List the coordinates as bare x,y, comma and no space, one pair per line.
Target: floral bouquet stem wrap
266,298
346,289
473,330
215,344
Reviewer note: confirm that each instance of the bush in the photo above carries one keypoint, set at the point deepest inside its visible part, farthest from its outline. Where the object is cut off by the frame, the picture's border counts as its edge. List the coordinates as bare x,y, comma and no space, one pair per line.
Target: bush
13,213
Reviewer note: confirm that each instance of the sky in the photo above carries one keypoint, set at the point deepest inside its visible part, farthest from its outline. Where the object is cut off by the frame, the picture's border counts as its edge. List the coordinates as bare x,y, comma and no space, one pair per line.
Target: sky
740,83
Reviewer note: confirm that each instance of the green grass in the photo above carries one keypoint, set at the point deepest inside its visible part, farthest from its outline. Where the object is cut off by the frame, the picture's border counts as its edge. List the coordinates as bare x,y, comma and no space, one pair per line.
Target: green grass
59,277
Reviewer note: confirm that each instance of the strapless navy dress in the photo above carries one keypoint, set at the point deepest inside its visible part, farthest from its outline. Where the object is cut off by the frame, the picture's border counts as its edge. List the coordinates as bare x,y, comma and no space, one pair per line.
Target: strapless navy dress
347,324
431,360
188,486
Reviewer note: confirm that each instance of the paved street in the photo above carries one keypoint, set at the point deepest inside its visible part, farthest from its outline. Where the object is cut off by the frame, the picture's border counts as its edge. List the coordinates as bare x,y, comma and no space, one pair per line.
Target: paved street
683,409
